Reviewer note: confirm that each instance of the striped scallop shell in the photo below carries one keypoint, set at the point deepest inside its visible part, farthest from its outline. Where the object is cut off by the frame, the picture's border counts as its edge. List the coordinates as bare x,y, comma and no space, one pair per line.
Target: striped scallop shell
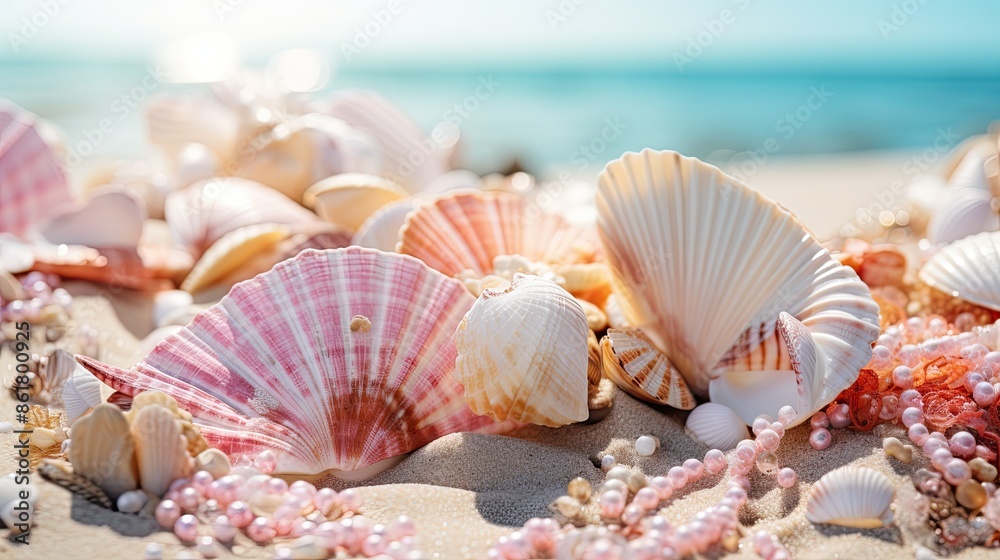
850,496
523,353
80,393
716,426
967,269
346,200
635,365
338,359
34,184
201,214
703,265
103,450
160,449
466,230
381,229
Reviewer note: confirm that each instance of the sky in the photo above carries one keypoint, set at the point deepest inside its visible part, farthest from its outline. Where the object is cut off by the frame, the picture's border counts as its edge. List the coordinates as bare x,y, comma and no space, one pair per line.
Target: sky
851,36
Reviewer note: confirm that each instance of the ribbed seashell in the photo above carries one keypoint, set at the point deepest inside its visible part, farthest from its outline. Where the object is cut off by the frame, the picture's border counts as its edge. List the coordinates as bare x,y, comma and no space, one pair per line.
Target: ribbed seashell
61,474
716,426
80,393
34,185
409,156
522,354
202,213
307,150
174,122
160,448
10,287
193,440
108,219
261,369
850,496
468,230
381,229
348,199
967,269
635,365
231,251
57,369
103,450
963,212
698,260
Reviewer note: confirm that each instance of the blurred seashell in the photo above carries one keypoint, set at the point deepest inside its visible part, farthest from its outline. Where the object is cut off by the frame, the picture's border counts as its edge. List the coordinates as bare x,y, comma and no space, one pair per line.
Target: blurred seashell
596,319
176,122
595,367
262,384
195,163
690,246
121,400
963,212
230,251
348,199
214,462
522,354
468,230
156,398
716,426
103,450
61,474
160,449
34,185
616,317
589,281
454,180
883,265
10,287
967,269
167,303
307,150
381,229
856,497
635,365
132,501
80,393
201,214
57,369
15,256
107,219
410,157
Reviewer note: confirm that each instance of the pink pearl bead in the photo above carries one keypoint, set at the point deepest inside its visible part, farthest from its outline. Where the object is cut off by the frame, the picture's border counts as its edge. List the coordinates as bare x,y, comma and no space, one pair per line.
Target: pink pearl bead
737,493
403,526
918,433
940,456
276,486
741,480
963,444
350,500
715,461
167,513
678,477
840,417
956,471
646,498
820,439
224,490
260,531
902,377
186,528
302,489
933,444
746,451
325,499
201,481
695,469
612,503
239,514
787,478
223,529
768,440
189,499
741,467
819,420
911,416
787,415
910,397
664,488
984,394
632,514
759,425
778,428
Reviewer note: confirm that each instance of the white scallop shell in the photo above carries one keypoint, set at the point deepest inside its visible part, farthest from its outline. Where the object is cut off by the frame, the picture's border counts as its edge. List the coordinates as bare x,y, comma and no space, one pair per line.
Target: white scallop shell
348,199
852,497
704,265
967,269
381,229
522,354
80,393
103,450
716,426
160,449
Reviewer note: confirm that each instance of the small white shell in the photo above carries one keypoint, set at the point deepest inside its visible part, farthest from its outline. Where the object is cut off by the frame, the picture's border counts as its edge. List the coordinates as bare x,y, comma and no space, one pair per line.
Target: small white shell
967,269
852,497
168,302
716,426
381,229
132,501
80,393
160,450
213,461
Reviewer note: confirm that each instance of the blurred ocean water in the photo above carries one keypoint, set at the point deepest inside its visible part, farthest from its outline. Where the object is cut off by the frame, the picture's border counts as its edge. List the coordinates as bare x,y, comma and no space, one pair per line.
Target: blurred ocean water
552,121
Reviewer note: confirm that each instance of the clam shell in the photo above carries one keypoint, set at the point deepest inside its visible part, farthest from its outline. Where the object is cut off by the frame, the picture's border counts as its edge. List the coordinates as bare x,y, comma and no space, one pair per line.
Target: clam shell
468,230
34,185
348,199
103,450
965,211
214,462
107,219
80,393
381,229
259,370
856,497
716,426
10,287
201,214
967,269
160,448
174,122
231,251
635,365
522,354
698,259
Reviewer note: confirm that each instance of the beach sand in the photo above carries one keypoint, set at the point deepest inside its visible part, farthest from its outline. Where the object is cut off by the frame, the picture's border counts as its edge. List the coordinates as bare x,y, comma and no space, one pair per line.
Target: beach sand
466,490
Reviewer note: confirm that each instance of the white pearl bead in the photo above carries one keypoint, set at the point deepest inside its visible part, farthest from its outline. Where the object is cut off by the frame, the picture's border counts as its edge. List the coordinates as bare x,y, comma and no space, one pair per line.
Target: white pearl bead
645,446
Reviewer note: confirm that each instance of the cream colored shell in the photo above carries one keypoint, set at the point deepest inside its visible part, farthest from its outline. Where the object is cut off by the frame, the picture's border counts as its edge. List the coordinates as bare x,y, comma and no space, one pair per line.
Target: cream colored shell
348,199
968,269
103,450
716,426
161,450
850,496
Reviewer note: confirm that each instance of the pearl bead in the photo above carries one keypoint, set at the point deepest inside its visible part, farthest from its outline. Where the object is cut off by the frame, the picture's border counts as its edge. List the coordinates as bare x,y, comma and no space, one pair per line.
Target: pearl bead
201,481
189,499
615,484
325,500
940,457
695,469
787,415
224,490
741,467
741,480
260,531
186,528
933,444
154,551
619,472
607,462
767,462
612,503
917,433
568,506
787,478
403,526
276,486
840,417
778,428
632,514
759,425
819,420
239,514
984,394
646,498
820,439
678,477
956,471
207,547
715,461
350,500
910,397
908,355
902,377
963,444
768,440
167,513
664,488
645,446
223,529
911,416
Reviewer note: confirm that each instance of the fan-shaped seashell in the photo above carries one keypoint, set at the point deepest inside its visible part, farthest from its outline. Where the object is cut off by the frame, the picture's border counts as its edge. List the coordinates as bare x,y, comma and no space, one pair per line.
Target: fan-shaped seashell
107,219
616,317
716,426
967,269
635,365
307,150
103,450
231,251
80,393
964,211
348,199
381,229
468,230
522,354
201,214
174,122
34,185
262,369
160,448
701,264
856,497
57,369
